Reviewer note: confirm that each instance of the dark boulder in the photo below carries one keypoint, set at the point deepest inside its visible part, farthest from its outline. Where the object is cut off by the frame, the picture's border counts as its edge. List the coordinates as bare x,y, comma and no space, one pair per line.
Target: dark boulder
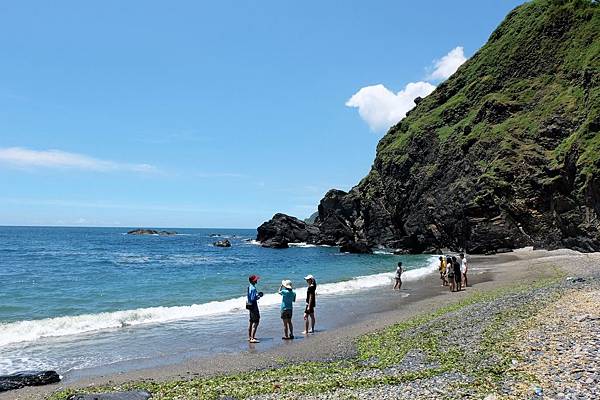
27,378
222,243
283,229
130,395
356,248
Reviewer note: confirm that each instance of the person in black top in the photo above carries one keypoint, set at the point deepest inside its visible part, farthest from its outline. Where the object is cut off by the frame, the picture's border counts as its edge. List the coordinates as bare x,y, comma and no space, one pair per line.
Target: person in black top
311,302
457,273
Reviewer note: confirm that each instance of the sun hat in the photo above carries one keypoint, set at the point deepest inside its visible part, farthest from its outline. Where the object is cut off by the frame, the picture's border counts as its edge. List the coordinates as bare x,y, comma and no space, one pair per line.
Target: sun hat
286,283
309,276
253,278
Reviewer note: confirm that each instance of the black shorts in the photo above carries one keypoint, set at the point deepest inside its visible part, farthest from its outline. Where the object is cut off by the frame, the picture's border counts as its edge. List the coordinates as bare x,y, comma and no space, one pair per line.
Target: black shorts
309,310
286,314
457,278
254,315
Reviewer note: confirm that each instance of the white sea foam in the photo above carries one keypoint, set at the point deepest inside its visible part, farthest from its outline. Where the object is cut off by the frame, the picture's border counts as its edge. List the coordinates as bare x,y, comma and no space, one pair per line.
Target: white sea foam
302,244
385,252
25,331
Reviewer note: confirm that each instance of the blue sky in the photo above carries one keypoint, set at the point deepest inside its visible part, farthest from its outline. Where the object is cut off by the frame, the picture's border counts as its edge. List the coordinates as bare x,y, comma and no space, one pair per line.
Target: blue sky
209,114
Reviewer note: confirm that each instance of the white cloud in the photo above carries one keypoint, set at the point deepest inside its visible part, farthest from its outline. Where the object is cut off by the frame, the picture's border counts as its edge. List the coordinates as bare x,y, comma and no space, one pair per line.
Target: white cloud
26,158
447,65
381,108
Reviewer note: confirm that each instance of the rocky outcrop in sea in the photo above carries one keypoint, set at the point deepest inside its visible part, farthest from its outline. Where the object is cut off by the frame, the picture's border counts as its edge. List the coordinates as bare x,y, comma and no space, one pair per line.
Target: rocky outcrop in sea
151,232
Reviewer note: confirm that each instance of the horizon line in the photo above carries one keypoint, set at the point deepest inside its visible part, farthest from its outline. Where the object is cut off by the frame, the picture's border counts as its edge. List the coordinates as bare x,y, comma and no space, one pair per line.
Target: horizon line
116,226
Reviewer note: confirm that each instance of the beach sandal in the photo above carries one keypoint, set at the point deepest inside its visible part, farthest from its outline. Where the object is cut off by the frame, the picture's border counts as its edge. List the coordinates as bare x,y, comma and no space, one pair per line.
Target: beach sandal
254,341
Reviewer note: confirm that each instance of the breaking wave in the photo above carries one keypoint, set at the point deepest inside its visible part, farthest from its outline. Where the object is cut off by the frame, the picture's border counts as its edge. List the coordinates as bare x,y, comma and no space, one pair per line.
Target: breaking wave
31,330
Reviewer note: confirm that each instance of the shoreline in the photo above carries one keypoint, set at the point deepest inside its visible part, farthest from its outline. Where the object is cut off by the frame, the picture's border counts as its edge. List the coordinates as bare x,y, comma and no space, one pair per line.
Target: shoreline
486,273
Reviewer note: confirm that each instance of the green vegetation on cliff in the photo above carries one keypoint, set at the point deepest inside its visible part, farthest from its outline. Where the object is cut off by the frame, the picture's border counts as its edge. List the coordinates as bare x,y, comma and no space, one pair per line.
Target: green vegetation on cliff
542,63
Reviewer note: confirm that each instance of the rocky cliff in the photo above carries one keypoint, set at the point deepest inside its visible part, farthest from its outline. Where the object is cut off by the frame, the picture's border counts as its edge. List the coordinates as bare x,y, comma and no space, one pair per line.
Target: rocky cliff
504,154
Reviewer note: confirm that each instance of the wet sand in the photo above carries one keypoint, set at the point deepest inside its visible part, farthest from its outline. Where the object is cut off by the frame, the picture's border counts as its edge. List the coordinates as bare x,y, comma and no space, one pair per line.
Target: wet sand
368,311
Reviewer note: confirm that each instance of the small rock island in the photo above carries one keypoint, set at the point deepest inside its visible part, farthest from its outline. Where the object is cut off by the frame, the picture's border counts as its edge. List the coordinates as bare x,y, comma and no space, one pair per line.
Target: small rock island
151,232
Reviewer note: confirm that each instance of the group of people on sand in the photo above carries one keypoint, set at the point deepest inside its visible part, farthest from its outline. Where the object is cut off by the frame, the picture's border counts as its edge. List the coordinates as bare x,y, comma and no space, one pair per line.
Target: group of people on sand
453,272
288,297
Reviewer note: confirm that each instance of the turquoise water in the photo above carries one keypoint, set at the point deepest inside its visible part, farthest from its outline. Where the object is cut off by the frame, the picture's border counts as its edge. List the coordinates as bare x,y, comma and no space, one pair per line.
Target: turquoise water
65,287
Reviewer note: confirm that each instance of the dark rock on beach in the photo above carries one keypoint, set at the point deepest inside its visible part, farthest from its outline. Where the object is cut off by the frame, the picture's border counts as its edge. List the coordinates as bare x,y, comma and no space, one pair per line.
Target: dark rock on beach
355,248
27,378
222,243
151,232
494,159
130,395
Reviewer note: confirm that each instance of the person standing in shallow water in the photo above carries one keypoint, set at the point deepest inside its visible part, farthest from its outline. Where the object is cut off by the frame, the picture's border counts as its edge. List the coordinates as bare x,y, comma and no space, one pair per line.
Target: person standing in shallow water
311,302
288,297
252,306
398,276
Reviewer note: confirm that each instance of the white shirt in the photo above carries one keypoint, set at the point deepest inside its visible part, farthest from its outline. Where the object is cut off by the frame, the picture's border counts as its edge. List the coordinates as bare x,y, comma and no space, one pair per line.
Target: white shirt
463,265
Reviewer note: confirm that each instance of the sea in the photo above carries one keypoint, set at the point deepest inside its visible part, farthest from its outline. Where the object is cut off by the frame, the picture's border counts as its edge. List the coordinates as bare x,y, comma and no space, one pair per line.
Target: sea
87,301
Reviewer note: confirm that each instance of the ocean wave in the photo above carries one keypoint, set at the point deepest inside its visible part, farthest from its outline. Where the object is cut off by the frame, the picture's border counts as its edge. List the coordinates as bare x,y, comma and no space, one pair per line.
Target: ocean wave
302,244
26,331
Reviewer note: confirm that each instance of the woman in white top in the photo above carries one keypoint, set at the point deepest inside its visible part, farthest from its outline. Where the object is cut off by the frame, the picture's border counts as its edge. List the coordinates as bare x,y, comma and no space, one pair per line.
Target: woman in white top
463,269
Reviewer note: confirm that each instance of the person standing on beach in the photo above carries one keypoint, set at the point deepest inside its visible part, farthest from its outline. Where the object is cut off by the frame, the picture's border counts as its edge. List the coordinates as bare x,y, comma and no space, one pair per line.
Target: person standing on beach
311,302
442,269
252,306
457,274
288,297
398,276
450,273
463,269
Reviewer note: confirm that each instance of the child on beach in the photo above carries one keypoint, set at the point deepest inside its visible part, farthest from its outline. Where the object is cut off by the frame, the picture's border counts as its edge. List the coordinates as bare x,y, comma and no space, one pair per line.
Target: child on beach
311,302
252,306
288,297
398,277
